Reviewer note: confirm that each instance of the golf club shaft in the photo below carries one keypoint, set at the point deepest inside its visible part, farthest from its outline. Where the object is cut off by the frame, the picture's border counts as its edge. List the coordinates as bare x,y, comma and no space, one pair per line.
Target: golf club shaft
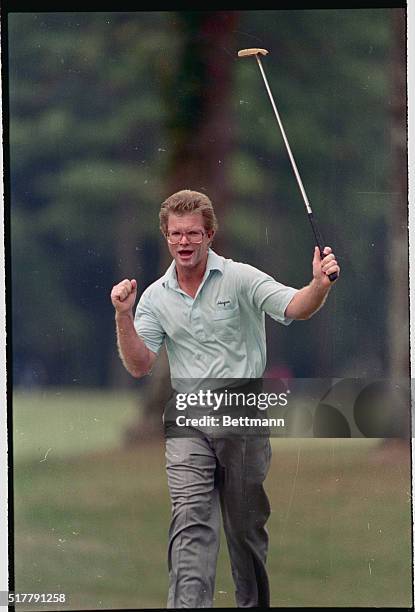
287,145
317,234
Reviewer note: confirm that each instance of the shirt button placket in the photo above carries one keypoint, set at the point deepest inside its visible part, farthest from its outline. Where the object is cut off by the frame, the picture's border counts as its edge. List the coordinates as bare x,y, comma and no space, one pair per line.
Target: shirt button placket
197,326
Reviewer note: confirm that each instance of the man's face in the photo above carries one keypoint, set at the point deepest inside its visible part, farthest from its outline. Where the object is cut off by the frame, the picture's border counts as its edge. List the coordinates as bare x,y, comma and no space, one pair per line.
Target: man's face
188,254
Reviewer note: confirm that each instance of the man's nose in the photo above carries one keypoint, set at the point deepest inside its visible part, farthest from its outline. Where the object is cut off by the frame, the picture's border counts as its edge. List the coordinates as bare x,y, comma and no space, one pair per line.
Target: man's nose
184,236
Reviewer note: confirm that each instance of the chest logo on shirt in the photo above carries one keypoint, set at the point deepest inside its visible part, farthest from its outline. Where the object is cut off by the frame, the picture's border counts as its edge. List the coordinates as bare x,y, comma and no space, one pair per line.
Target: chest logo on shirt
223,303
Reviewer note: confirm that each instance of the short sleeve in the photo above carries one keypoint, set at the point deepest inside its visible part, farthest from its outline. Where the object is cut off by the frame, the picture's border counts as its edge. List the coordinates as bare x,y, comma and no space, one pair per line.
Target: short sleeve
267,294
147,324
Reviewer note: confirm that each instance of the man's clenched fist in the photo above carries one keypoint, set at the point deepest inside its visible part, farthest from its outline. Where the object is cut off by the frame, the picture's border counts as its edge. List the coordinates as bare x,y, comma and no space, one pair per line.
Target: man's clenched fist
123,295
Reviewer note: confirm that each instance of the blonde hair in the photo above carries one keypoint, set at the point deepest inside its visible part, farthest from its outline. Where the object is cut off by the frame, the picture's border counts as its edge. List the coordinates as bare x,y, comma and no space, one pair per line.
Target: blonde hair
188,201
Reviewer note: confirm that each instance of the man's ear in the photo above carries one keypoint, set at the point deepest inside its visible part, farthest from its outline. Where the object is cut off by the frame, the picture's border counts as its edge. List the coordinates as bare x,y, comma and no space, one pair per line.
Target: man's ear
211,235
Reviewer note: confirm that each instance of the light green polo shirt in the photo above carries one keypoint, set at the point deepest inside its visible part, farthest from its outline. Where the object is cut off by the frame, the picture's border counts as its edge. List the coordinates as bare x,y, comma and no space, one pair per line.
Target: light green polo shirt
220,333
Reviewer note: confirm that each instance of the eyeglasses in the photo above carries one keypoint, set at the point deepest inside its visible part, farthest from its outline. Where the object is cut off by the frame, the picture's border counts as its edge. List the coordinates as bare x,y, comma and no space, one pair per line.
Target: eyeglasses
193,236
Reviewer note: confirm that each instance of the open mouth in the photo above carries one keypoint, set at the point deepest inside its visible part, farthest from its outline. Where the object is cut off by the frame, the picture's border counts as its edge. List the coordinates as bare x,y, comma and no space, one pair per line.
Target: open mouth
185,253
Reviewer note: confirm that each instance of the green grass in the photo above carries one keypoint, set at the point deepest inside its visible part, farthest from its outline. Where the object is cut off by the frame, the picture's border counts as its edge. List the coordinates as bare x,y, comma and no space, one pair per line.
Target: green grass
66,422
93,523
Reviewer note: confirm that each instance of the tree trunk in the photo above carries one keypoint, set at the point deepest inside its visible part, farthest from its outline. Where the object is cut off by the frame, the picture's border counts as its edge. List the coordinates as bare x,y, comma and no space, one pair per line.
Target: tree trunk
398,220
397,253
200,136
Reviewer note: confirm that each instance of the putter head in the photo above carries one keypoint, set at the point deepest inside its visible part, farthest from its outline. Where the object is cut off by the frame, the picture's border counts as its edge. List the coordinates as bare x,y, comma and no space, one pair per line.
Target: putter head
247,52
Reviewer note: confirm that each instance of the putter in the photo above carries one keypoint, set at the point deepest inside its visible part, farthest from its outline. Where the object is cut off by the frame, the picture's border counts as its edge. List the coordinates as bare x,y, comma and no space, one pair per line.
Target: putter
317,234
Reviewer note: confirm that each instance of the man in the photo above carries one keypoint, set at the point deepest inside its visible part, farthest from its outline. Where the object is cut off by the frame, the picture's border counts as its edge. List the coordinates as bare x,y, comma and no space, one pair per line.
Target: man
210,311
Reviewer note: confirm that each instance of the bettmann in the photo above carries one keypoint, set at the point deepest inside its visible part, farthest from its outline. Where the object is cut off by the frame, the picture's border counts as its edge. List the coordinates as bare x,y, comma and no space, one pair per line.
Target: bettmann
228,421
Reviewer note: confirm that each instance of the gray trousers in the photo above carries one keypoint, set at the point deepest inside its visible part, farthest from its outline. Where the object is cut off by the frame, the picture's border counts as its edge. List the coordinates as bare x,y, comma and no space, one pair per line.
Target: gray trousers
206,476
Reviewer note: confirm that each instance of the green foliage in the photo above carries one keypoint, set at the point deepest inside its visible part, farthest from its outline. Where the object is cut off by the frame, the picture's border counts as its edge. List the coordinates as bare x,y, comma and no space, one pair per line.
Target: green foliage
330,73
91,143
86,140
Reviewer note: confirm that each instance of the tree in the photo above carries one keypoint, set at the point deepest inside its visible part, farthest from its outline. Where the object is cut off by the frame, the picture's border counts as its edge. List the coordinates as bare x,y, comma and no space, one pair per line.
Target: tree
397,255
198,98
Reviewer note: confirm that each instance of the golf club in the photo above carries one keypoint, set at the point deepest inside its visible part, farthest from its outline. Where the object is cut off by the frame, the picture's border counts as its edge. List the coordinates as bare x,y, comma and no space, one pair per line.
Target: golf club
317,234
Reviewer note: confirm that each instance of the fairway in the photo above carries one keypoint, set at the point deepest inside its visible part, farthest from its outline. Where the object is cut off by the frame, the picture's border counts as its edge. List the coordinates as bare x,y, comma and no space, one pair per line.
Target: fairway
91,517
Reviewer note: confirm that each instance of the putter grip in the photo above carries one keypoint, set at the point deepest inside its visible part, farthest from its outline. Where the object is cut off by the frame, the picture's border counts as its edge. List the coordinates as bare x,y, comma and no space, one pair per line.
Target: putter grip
320,242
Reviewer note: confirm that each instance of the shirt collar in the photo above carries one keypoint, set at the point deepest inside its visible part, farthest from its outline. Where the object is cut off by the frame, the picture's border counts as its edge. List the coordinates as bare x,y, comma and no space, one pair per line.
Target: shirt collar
214,262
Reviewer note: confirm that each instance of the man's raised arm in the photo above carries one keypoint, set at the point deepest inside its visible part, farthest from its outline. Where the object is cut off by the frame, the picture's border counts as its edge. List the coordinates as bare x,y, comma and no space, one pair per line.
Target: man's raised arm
136,357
